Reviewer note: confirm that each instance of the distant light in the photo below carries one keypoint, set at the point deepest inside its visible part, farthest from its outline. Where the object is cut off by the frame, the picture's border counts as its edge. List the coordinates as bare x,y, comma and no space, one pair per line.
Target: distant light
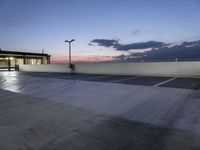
11,58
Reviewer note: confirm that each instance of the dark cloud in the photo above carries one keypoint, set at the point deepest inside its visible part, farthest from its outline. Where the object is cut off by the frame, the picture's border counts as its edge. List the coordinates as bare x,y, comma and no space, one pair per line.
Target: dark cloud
126,47
141,45
191,43
184,51
159,51
104,42
90,44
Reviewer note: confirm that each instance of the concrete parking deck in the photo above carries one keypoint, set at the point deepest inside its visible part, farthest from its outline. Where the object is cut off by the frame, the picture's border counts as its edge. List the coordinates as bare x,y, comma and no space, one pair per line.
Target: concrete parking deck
173,82
61,111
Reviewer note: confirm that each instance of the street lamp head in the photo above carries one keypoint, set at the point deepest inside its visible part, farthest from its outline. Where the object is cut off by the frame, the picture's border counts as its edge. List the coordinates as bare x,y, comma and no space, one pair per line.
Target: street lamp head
69,41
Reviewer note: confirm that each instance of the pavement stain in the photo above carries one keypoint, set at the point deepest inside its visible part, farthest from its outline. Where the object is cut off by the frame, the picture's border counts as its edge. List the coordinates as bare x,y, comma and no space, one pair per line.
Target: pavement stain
63,127
119,133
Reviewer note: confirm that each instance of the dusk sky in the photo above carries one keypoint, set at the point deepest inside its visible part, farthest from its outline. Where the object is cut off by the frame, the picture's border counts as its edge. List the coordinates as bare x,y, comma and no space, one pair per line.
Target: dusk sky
33,25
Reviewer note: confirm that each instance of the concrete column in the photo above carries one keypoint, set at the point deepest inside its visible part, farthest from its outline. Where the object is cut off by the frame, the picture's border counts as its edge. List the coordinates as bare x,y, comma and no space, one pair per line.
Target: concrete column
9,64
48,59
42,60
24,59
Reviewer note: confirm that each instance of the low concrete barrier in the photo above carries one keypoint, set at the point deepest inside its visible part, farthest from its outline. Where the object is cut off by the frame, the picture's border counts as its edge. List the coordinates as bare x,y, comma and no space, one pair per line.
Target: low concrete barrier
59,68
143,69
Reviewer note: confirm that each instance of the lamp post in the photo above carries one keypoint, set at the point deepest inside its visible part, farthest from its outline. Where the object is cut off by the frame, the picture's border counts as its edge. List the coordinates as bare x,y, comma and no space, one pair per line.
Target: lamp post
69,49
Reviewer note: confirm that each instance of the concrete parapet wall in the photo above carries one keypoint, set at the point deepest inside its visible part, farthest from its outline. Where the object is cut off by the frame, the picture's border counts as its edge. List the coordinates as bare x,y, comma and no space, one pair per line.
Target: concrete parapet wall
144,69
45,68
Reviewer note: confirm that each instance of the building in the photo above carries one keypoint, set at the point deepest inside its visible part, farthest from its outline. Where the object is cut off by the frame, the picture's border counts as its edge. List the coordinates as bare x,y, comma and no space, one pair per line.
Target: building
11,59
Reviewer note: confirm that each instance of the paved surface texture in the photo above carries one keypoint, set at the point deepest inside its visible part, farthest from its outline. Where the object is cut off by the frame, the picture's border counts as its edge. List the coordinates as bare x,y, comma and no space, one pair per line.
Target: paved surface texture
145,80
185,83
63,112
190,83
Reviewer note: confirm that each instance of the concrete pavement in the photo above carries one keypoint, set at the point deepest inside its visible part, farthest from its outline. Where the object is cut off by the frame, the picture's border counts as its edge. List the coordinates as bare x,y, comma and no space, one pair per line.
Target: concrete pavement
51,113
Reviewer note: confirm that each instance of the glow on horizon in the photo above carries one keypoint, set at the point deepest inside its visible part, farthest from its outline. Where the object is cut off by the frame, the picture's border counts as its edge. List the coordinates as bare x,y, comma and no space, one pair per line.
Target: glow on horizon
86,55
60,59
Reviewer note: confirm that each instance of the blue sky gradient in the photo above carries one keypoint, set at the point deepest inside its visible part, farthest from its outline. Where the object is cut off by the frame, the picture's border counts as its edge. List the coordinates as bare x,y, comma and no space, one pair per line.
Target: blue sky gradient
33,25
